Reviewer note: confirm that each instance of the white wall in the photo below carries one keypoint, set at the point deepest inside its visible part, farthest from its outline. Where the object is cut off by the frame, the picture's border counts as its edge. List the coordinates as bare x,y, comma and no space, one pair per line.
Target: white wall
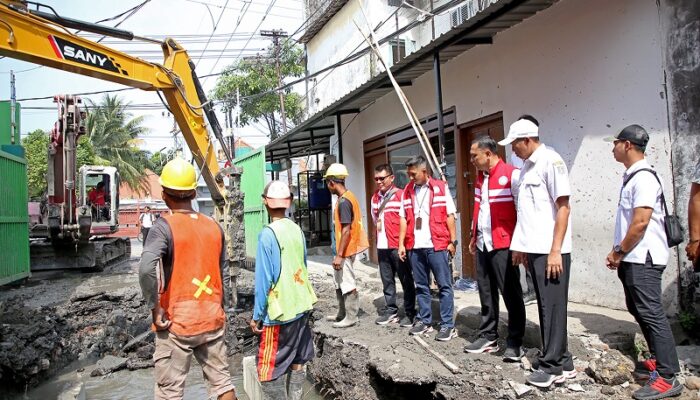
585,70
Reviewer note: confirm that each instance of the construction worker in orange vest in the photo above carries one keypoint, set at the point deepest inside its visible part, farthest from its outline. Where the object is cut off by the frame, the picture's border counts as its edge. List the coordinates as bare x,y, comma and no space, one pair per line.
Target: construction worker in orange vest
185,281
350,241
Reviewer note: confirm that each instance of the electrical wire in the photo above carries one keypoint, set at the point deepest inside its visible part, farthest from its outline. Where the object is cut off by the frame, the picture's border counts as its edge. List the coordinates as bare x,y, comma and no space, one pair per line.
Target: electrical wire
213,30
235,28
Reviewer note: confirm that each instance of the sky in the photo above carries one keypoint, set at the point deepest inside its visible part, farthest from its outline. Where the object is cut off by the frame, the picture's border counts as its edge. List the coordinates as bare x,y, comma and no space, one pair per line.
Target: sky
157,18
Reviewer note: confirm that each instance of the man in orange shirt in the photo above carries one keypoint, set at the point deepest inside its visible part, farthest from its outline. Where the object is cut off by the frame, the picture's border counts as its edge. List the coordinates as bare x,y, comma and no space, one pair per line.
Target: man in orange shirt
350,241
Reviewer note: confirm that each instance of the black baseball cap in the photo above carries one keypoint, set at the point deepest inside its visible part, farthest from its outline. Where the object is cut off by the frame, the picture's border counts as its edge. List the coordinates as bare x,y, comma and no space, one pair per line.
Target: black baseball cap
633,134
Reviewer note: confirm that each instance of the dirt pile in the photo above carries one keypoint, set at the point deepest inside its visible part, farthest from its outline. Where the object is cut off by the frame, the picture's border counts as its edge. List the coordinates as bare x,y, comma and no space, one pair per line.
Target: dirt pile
36,343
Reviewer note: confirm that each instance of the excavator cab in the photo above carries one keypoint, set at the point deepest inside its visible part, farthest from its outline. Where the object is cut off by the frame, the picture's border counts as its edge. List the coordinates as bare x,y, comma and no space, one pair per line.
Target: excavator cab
99,198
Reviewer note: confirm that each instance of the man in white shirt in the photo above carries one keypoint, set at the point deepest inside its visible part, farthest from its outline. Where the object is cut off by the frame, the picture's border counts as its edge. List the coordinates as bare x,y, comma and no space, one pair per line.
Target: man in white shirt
640,254
542,242
146,219
428,232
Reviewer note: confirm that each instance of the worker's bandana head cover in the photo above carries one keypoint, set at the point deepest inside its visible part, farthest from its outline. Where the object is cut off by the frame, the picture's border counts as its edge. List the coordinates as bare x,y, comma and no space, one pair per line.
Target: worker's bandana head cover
277,194
521,128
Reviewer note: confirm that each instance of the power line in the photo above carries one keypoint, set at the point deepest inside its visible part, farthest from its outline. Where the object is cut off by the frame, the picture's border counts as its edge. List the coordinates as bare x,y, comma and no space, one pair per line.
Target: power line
214,30
238,23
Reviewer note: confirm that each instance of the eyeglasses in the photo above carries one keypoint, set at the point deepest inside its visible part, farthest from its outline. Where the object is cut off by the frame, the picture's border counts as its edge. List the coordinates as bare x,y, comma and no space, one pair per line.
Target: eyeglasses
381,178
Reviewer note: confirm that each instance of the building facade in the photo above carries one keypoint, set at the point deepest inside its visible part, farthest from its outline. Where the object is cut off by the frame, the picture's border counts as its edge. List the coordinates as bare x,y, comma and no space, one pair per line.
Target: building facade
583,69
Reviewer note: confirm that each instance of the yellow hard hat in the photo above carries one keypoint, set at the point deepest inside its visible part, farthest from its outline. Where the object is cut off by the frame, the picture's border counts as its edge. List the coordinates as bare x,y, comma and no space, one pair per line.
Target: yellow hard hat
336,171
178,174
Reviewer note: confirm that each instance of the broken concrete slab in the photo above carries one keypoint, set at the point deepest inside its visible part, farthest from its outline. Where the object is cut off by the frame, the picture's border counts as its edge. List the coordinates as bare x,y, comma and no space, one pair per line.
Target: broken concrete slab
108,365
520,389
612,368
136,342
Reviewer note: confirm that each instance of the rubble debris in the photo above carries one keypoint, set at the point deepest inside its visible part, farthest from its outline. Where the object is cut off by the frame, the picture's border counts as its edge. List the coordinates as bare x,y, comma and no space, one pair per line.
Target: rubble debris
520,389
690,356
612,368
575,387
692,382
109,364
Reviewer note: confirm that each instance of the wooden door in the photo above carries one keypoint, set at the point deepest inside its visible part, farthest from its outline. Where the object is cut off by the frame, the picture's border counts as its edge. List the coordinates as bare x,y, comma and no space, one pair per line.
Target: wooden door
371,162
492,126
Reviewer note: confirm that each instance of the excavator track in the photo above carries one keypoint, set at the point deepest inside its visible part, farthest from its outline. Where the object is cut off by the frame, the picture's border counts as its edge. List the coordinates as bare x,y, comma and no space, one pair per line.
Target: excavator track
92,256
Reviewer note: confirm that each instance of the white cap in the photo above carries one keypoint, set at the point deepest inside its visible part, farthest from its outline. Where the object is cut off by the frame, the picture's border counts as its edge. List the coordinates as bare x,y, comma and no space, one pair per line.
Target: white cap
520,129
277,194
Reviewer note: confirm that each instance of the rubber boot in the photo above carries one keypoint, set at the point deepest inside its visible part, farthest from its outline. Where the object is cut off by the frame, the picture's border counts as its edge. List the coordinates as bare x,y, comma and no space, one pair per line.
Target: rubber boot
275,390
352,307
296,384
341,307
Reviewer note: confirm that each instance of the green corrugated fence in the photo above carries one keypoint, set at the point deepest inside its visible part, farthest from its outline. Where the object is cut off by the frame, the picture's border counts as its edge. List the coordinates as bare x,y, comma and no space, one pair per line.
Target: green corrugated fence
14,219
252,184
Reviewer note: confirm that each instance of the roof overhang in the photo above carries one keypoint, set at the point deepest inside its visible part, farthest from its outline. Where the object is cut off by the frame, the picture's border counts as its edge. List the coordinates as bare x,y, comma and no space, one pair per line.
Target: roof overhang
478,30
327,10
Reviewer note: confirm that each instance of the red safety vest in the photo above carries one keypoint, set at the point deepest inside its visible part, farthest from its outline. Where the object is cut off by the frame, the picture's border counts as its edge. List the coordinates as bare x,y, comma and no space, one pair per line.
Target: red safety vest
193,298
501,203
438,214
390,218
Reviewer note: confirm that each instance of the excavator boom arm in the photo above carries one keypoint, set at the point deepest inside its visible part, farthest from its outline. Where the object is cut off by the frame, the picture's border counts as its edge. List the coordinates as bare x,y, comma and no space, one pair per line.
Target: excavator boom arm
30,37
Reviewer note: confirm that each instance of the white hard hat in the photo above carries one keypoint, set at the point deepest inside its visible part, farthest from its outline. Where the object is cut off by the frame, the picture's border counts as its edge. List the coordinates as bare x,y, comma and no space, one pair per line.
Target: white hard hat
277,194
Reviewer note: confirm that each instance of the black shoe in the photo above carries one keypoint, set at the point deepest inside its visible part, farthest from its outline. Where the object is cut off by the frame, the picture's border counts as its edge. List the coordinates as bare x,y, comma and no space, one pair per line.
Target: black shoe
406,322
513,354
565,373
387,319
529,298
446,334
658,388
542,379
481,345
419,328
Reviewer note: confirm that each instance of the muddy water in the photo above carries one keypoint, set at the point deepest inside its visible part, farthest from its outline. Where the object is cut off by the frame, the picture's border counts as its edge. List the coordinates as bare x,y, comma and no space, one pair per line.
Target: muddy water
127,385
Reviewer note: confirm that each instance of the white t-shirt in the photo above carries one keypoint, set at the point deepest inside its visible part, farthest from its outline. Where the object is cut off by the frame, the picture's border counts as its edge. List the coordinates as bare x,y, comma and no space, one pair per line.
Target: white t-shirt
146,220
543,179
423,237
643,190
696,178
484,240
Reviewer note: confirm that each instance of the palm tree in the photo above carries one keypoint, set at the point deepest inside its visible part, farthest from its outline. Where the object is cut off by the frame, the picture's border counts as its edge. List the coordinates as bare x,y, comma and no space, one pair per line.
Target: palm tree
114,134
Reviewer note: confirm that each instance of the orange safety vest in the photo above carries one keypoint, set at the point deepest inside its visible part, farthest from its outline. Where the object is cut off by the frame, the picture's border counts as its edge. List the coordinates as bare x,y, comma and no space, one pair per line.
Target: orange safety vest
358,236
193,298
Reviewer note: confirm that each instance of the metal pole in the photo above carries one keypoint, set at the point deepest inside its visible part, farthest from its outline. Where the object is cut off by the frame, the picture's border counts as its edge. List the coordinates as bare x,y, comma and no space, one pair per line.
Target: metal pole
338,131
13,105
438,100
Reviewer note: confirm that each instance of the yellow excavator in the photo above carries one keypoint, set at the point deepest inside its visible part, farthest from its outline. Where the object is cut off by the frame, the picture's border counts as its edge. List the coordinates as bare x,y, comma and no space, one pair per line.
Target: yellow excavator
44,37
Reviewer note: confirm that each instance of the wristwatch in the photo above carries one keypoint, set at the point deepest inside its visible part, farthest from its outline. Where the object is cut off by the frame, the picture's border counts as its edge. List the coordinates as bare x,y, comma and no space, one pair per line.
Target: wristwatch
618,250
455,243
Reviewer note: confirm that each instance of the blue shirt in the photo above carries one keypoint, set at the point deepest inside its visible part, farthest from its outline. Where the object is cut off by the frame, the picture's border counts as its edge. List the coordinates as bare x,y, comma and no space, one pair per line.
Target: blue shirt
267,271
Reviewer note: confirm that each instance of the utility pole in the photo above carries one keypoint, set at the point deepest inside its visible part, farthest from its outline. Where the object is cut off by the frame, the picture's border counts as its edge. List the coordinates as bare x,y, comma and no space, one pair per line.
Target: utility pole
13,106
276,34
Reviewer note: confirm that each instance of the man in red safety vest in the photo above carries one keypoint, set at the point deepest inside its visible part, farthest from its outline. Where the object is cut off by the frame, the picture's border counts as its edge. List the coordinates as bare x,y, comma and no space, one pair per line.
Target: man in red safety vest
493,224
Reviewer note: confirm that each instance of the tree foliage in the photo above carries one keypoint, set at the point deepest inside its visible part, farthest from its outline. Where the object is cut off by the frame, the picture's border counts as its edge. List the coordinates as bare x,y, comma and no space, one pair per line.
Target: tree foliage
36,147
114,133
158,160
254,76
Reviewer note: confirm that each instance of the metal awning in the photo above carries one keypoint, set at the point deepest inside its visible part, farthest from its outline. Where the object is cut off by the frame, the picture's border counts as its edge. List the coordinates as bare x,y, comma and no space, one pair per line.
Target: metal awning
313,135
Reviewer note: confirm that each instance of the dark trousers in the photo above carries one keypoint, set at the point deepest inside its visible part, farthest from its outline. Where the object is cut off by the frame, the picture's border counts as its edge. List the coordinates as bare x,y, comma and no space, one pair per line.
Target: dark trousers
642,285
144,233
552,300
494,272
391,265
423,261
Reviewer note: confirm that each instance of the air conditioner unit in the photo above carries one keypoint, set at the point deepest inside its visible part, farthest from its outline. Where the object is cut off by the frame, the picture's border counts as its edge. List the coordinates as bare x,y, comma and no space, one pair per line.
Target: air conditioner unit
461,14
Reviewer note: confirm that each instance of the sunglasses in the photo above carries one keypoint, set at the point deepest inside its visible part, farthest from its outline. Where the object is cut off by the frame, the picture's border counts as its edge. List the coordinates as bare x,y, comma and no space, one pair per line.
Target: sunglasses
381,178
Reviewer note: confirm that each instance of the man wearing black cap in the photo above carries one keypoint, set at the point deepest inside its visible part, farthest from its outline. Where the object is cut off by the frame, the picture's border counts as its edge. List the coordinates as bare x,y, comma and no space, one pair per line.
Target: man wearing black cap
639,255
